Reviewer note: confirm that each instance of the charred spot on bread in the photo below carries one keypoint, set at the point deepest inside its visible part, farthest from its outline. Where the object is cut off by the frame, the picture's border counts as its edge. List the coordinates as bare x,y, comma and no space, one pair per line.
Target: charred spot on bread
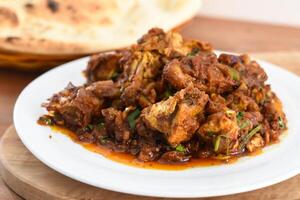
53,5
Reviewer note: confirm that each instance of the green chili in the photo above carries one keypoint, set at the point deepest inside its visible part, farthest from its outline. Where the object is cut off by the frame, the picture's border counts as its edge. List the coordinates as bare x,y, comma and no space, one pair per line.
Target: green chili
247,137
180,148
132,117
193,52
234,74
217,143
281,123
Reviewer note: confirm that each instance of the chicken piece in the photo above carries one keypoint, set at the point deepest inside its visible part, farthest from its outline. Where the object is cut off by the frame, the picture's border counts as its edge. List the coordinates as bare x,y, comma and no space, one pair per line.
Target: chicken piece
222,125
139,71
148,153
216,103
256,143
104,89
176,117
259,94
116,124
143,131
203,71
102,66
174,157
76,105
254,75
251,72
254,117
170,44
232,60
218,80
200,63
276,119
216,77
174,75
239,101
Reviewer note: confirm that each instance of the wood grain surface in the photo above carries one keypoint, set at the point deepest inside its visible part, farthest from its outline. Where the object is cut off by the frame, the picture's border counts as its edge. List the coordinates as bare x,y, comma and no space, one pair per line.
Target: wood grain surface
278,44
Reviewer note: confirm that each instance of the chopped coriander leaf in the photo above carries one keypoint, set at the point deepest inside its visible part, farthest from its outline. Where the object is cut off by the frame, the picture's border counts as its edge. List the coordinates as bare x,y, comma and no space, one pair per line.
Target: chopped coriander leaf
217,143
114,75
247,137
193,52
48,121
234,74
132,117
210,134
90,126
103,139
281,123
180,148
168,92
100,125
45,120
239,115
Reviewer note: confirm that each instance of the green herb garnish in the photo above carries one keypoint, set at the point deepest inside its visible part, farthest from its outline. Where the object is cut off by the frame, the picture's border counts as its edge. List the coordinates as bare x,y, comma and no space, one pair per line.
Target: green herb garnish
168,92
246,138
242,124
48,121
281,123
45,120
180,148
193,52
103,139
211,134
234,74
114,75
132,117
239,116
217,143
101,125
90,126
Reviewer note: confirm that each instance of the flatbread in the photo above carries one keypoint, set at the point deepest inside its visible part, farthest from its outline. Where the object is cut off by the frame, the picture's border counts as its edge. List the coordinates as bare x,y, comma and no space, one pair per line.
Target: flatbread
32,61
85,26
30,65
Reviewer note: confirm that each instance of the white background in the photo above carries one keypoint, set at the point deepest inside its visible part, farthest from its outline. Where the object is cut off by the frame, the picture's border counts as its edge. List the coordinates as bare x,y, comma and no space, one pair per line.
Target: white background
286,12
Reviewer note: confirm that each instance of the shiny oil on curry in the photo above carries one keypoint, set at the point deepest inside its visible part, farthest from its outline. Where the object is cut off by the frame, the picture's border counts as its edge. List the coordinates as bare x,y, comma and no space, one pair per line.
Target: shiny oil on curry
170,103
131,160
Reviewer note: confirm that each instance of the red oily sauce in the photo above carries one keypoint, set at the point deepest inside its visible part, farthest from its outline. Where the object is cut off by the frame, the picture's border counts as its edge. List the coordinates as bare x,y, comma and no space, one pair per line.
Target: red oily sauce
128,159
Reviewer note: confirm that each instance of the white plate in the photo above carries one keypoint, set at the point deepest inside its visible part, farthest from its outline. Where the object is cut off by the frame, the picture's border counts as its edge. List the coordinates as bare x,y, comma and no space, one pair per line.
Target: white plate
278,162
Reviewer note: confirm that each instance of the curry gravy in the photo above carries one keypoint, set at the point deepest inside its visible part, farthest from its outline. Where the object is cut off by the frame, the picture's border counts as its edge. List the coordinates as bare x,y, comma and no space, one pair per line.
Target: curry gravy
128,159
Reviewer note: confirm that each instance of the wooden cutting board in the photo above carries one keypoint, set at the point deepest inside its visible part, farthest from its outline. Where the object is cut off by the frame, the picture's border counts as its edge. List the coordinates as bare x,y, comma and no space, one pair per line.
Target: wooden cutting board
33,180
